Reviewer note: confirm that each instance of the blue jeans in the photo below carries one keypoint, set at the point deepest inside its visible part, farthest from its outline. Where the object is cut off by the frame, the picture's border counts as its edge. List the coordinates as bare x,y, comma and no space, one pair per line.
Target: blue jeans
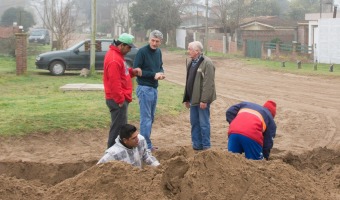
238,143
200,127
118,118
147,97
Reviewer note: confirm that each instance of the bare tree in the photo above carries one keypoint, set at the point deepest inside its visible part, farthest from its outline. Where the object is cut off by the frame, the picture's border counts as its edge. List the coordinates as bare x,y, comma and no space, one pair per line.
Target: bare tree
229,12
113,14
120,16
59,16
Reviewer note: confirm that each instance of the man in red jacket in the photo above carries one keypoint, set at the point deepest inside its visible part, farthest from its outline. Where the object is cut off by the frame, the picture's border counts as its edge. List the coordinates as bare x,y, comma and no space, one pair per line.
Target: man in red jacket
118,84
252,129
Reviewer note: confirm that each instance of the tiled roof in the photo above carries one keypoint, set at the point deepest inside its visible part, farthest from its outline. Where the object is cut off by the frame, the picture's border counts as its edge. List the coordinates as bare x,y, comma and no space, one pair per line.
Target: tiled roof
274,21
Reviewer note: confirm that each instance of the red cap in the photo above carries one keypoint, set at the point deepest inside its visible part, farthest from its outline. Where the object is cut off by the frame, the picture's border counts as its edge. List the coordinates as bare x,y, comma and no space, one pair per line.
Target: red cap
271,106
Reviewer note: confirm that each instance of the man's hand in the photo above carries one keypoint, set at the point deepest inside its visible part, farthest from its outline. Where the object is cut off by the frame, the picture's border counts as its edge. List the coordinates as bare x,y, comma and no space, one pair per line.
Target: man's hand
159,76
187,104
203,105
137,72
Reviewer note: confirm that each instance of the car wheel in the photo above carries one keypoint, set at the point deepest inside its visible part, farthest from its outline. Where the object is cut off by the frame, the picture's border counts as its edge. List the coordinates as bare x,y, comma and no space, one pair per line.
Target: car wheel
57,68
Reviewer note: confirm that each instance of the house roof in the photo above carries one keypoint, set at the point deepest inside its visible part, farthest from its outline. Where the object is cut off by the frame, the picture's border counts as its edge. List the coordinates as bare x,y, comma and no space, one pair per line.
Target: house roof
268,21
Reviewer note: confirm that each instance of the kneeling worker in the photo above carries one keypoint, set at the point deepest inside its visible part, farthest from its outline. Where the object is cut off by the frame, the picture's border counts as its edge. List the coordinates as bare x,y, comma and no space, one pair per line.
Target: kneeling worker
252,129
130,147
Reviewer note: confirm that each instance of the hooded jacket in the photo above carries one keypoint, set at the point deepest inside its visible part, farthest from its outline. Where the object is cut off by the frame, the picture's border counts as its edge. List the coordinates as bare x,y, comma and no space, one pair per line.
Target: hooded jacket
133,156
117,76
253,121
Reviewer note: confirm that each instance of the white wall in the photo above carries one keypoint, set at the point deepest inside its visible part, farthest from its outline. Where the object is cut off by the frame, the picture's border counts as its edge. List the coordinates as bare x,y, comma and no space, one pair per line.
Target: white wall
180,38
328,44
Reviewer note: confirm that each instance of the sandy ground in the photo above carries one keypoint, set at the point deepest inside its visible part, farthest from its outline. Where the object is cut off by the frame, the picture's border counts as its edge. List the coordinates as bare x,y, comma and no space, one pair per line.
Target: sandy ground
305,161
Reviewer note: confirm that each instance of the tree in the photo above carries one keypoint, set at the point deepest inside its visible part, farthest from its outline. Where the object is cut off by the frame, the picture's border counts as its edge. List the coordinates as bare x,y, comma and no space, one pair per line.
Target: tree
157,14
110,15
264,8
19,15
231,12
59,16
298,8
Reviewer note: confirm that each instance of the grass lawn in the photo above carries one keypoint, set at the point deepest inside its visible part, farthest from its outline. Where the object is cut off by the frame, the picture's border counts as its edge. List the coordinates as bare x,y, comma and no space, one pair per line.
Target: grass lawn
33,103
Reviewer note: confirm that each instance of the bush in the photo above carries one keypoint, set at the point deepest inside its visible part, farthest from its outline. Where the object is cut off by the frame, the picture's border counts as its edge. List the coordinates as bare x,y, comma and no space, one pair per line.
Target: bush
7,46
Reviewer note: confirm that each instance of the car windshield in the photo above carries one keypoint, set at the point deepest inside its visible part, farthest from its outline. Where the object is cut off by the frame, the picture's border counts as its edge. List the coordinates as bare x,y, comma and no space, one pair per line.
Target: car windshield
75,46
37,32
105,45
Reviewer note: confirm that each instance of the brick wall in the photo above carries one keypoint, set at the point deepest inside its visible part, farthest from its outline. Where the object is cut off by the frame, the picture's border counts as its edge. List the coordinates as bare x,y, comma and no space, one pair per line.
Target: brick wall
21,53
232,47
303,35
215,45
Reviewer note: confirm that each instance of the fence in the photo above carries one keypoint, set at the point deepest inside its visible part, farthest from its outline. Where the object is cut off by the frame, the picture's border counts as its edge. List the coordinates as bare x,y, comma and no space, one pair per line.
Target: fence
290,51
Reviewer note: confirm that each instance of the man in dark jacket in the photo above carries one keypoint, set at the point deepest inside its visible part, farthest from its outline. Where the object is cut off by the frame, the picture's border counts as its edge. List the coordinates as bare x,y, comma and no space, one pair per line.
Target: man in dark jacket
199,93
149,61
252,129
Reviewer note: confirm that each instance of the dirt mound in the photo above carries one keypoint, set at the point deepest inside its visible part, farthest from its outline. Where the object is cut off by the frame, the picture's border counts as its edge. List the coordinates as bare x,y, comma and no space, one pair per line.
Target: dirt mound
13,188
185,174
46,173
322,163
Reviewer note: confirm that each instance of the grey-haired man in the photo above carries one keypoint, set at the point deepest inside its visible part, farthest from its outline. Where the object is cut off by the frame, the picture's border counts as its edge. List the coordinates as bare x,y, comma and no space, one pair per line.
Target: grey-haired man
149,60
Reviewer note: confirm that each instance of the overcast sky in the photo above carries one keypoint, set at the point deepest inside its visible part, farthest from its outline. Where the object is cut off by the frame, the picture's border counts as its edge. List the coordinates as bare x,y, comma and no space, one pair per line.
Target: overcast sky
337,2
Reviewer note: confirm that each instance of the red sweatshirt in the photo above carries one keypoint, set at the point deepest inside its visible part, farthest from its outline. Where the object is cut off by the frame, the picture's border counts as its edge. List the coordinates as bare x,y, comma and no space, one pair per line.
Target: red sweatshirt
117,76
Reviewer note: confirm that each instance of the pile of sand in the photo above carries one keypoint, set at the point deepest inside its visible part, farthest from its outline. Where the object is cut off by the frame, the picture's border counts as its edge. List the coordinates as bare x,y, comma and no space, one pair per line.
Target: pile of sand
185,174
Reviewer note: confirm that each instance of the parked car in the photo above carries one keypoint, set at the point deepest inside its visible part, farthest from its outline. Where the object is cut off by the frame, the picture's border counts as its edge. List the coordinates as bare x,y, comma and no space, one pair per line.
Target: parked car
77,57
41,36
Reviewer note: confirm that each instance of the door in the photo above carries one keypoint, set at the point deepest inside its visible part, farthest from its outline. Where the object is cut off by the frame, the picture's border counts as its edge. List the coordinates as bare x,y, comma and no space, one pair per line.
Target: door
254,49
80,57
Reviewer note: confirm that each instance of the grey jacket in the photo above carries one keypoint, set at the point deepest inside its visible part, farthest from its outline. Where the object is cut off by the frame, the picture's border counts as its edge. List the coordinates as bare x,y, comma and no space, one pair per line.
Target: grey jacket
204,83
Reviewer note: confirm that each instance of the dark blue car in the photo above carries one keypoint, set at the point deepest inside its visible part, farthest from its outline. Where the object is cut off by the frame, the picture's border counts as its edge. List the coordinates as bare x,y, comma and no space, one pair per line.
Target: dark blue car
77,57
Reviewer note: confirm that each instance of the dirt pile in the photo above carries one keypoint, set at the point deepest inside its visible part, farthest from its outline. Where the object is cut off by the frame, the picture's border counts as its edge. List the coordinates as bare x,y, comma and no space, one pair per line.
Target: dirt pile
184,174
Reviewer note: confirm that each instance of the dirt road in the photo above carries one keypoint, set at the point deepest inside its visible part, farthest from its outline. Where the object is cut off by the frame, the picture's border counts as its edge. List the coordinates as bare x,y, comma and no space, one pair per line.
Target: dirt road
308,113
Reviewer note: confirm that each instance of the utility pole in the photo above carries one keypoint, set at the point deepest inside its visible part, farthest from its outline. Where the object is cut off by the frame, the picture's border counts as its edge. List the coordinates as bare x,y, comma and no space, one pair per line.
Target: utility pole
128,17
93,37
206,28
52,26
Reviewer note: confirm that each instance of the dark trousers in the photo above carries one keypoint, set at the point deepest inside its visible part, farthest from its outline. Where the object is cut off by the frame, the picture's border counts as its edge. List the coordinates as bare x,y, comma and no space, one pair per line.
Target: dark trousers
118,118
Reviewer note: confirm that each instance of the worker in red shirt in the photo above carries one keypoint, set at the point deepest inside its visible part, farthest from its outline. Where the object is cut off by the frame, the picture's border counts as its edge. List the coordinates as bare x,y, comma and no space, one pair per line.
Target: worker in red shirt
118,84
252,129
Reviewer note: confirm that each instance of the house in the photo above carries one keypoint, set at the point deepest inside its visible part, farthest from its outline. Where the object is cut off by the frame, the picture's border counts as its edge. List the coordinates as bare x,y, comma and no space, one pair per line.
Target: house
268,28
194,17
323,31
